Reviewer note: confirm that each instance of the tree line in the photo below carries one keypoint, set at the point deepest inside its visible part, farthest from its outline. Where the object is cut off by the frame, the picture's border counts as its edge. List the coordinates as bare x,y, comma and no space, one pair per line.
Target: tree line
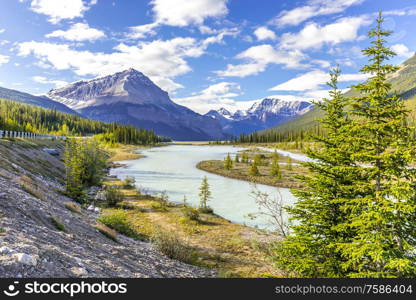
16,116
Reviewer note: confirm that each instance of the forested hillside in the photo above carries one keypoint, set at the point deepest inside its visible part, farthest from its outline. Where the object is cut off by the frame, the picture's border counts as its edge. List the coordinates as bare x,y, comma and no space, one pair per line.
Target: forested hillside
403,83
22,117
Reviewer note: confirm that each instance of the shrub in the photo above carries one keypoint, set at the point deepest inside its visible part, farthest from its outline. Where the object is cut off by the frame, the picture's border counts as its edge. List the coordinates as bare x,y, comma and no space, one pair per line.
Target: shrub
113,197
206,210
190,213
117,219
129,182
57,224
108,232
169,244
75,208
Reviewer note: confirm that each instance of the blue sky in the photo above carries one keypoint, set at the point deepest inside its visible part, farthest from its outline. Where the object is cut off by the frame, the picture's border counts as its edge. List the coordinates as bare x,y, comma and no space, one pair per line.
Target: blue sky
205,53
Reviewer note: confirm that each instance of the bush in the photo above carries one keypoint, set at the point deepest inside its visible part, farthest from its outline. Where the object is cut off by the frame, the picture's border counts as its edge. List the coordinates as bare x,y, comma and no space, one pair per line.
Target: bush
206,210
108,232
190,213
169,244
113,197
129,182
75,208
117,219
58,225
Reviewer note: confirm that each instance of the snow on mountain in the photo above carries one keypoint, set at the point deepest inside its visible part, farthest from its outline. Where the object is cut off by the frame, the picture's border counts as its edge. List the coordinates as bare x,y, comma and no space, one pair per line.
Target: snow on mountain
129,97
262,114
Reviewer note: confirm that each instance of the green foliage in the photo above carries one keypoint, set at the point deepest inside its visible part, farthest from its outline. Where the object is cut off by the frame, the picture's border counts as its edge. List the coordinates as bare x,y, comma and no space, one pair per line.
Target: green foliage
356,216
57,224
275,167
172,246
84,164
254,170
236,158
289,164
244,158
204,193
129,182
22,117
228,162
113,197
117,219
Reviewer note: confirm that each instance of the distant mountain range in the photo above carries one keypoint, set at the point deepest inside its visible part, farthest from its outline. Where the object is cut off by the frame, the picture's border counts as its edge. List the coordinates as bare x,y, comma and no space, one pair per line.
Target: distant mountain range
403,83
34,100
129,97
262,114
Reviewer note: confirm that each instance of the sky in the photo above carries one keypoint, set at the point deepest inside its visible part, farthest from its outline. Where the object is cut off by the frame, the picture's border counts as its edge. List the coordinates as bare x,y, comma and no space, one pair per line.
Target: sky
206,53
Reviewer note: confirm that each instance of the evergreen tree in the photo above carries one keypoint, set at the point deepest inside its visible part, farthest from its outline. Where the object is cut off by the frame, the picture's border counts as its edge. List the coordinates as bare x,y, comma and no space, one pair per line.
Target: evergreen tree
275,167
254,170
237,159
384,215
311,250
289,164
228,163
204,194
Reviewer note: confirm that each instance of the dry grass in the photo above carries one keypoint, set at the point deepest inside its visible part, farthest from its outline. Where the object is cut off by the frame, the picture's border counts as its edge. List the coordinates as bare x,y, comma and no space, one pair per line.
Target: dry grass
108,232
241,171
211,241
72,206
31,187
124,152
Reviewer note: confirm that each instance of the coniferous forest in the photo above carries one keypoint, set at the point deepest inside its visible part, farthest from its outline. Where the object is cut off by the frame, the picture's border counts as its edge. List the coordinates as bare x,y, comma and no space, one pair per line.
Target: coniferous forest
22,117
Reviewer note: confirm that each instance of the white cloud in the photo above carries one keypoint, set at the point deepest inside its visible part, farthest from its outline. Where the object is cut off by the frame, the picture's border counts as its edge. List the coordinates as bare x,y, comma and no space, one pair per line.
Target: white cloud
180,13
78,32
263,33
142,31
4,59
2,30
184,12
161,60
214,97
60,10
313,8
409,11
402,50
259,57
314,36
313,80
44,80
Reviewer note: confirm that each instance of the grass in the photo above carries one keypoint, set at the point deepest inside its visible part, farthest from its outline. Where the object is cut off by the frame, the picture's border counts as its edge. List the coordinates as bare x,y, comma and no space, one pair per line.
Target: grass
106,231
172,246
73,207
241,171
31,187
210,241
58,225
118,219
124,152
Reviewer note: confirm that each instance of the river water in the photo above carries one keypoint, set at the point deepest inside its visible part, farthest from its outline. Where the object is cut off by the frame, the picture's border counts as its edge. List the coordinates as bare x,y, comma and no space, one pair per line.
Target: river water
171,169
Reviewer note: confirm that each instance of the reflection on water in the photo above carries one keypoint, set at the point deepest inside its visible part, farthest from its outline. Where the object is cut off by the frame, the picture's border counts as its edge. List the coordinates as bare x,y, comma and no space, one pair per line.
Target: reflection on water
171,169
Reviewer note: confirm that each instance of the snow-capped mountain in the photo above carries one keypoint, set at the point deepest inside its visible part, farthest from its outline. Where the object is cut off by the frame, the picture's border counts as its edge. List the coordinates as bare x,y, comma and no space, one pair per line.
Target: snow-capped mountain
129,97
262,114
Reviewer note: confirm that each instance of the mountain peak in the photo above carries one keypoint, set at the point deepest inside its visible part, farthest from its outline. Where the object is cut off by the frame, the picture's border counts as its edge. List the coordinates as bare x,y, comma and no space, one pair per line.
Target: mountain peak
130,86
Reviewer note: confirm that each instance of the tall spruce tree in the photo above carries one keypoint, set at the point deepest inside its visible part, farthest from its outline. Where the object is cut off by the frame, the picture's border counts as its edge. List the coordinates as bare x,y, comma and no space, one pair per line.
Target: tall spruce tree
383,216
311,250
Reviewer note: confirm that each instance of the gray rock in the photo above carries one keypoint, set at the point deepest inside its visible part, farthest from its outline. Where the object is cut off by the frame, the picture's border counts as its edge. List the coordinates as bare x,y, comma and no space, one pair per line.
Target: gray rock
26,259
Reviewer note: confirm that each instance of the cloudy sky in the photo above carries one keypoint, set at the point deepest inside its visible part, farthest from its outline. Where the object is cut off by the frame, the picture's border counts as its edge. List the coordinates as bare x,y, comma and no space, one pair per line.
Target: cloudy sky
205,53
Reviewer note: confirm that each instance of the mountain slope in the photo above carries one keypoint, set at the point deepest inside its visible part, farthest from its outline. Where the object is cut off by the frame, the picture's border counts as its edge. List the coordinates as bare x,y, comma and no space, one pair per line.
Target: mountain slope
129,97
263,114
403,82
34,100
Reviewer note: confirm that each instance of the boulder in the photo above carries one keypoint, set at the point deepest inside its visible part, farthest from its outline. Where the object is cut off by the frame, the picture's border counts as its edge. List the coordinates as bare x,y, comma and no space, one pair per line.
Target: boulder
26,259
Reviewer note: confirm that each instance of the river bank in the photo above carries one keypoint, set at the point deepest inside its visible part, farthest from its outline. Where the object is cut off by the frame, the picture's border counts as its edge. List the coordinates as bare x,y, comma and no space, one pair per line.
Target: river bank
214,242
